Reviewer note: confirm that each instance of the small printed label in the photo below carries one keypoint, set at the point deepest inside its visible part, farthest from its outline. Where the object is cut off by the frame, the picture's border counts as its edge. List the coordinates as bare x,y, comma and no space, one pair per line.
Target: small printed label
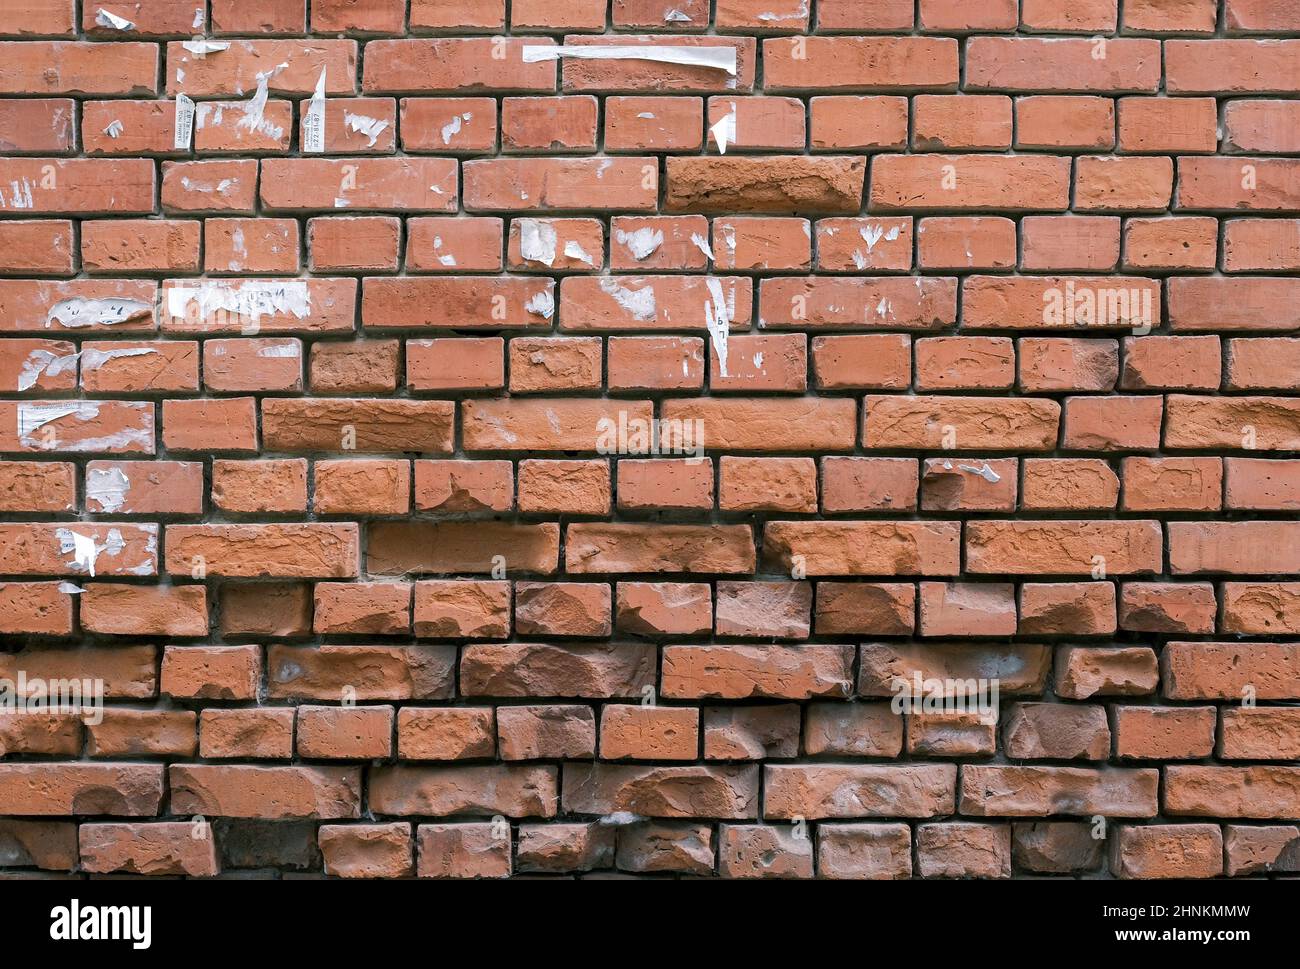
184,122
313,124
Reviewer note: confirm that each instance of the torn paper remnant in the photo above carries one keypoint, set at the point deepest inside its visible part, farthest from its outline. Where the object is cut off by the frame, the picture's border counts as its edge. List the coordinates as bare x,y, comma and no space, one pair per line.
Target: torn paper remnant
112,21
372,128
537,241
33,416
639,302
85,551
717,318
642,242
542,304
251,300
79,311
986,472
107,487
313,122
200,47
724,132
252,119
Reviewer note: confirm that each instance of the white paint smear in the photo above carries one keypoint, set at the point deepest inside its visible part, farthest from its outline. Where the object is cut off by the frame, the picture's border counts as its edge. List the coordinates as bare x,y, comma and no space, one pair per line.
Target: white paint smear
986,472
642,242
537,241
252,299
114,129
222,187
575,251
639,302
778,17
450,129
43,362
112,20
724,132
702,244
717,319
872,234
313,123
446,258
108,487
69,588
92,359
202,48
78,312
20,195
717,58
620,817
216,108
280,350
372,128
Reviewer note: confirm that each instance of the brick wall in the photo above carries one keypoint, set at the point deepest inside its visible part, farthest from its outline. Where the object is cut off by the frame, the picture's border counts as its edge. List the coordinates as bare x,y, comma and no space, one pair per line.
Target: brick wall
332,340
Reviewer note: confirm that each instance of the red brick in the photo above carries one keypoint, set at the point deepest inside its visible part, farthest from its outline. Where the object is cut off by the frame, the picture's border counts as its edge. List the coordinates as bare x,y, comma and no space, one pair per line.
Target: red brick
638,124
946,122
1260,125
452,65
858,245
1187,243
39,18
990,182
1079,244
76,67
849,122
1059,121
956,243
1228,66
1059,65
390,184
39,246
78,186
448,125
1170,125
250,245
556,125
352,243
210,187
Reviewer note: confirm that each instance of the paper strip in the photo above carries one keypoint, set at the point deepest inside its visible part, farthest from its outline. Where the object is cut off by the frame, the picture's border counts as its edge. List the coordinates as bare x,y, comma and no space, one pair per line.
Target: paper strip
717,58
